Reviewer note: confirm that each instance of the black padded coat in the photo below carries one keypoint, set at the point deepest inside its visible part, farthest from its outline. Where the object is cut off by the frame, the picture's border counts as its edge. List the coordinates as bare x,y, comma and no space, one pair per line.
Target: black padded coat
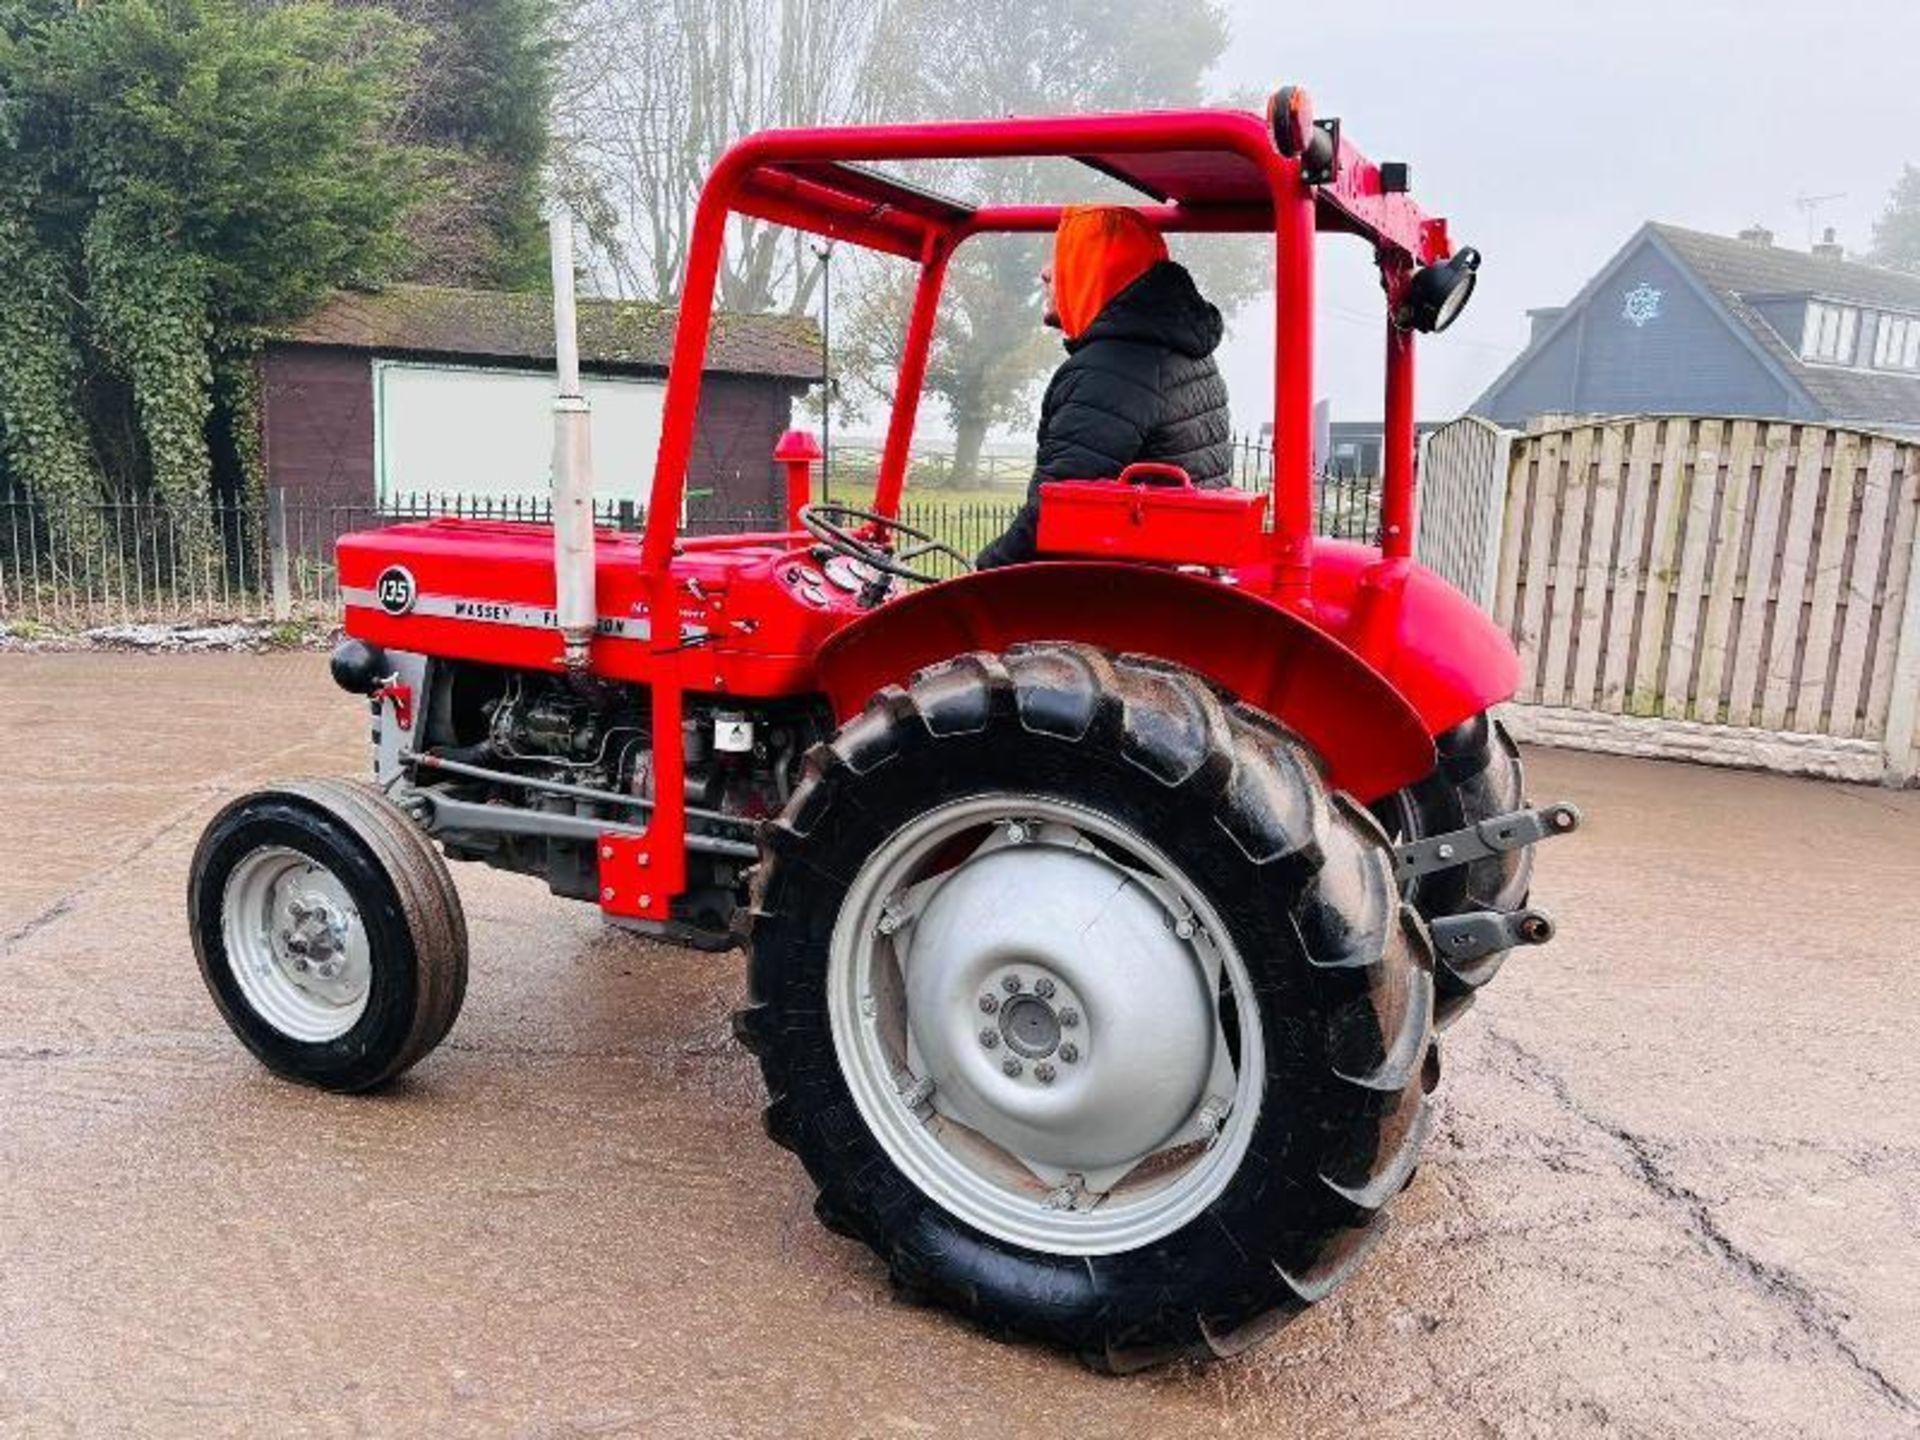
1139,384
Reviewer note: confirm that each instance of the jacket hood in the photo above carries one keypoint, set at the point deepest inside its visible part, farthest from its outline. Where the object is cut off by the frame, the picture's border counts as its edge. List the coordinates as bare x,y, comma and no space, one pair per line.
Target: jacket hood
1098,251
1162,307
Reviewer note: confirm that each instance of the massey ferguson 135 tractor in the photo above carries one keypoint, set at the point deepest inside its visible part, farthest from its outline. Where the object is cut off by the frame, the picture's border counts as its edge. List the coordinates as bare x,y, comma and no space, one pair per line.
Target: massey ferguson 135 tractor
1101,910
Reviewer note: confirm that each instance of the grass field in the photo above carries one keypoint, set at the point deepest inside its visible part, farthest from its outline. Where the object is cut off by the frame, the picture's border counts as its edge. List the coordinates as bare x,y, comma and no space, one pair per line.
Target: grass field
925,498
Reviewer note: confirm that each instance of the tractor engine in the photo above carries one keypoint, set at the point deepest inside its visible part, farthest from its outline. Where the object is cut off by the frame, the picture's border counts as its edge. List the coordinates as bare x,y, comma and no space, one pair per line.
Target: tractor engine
526,769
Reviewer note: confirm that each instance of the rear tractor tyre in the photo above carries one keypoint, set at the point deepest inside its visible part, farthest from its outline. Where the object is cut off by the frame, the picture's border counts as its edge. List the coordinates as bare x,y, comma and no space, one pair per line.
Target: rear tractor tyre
328,932
1087,1007
1479,776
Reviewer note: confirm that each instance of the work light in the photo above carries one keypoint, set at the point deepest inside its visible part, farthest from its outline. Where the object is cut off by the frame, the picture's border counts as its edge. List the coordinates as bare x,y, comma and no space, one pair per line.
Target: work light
1438,293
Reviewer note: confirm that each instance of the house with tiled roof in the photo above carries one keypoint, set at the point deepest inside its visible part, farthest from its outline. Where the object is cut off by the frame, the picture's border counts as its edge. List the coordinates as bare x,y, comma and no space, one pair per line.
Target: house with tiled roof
412,391
1679,321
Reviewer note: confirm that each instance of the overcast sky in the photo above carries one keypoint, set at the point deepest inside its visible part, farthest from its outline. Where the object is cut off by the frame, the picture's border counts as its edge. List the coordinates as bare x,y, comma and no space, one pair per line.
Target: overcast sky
1547,131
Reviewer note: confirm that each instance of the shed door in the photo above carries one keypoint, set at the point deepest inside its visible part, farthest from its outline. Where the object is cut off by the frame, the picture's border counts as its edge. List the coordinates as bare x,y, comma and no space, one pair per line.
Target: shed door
460,430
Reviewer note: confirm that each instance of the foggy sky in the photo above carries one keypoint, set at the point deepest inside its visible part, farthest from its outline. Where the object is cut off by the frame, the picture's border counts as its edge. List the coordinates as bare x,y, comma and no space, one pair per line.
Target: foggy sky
1547,131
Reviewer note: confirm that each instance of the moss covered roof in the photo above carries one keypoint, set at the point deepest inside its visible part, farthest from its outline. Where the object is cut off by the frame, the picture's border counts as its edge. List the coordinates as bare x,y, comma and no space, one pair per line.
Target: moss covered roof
435,320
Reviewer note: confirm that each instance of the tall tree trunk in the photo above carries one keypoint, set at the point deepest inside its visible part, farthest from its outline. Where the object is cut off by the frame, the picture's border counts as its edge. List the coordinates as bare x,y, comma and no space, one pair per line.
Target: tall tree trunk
969,435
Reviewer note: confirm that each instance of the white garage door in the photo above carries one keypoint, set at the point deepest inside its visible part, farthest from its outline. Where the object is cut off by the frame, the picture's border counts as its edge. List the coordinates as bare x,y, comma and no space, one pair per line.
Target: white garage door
454,430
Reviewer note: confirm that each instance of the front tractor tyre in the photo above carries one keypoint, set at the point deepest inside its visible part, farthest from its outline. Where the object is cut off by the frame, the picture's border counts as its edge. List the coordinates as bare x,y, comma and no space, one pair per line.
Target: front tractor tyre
1086,1005
328,932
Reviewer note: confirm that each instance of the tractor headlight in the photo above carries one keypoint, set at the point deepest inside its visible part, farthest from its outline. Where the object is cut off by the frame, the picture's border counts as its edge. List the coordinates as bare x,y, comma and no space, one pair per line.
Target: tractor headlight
1438,293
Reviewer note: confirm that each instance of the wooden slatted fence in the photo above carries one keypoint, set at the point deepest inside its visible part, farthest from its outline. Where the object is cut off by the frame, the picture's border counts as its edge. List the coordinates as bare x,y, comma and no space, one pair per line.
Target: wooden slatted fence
1736,589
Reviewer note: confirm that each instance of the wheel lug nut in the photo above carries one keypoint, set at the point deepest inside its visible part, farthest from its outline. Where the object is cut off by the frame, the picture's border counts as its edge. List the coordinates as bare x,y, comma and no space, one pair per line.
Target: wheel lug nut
1043,988
1069,1017
989,1003
1010,1067
990,1038
1011,984
1043,1072
1069,1053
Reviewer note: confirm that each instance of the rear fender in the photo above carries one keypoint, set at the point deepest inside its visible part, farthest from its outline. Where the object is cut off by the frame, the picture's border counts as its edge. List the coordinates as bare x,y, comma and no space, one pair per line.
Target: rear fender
1445,654
1371,738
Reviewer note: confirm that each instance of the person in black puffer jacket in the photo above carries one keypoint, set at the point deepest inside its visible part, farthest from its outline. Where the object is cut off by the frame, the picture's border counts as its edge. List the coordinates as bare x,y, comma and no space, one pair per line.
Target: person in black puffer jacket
1139,382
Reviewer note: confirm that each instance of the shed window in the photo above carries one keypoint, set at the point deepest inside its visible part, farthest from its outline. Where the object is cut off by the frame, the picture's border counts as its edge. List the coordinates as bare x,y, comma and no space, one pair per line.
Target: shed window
1897,345
1830,333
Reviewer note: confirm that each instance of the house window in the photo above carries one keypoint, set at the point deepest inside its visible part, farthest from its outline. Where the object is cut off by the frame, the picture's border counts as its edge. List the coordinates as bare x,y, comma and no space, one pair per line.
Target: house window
1830,333
1897,345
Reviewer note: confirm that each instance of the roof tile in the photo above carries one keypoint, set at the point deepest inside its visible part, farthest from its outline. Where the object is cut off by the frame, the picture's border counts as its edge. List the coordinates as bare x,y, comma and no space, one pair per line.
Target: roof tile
436,320
1737,271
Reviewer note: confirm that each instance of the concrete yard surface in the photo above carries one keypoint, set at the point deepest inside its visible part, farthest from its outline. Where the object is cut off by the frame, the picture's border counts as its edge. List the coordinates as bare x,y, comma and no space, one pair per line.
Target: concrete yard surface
1673,1189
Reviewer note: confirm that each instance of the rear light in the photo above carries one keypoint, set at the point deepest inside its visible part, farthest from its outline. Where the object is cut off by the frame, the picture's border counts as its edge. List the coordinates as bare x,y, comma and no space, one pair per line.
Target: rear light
1290,114
1298,136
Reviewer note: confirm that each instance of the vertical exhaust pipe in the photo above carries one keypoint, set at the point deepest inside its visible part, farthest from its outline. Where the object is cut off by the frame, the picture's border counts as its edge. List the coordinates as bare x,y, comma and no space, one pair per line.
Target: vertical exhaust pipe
574,604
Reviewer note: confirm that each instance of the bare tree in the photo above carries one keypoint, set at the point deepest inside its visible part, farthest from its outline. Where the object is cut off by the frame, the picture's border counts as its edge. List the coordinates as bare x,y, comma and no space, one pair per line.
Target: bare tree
993,57
655,91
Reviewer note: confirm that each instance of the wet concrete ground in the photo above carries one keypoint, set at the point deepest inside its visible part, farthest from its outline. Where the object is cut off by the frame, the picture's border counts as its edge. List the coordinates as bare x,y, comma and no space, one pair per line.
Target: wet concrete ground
1674,1189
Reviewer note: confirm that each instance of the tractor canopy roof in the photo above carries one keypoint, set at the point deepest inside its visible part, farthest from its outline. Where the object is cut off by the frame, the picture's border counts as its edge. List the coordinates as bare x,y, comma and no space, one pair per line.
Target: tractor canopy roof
1199,170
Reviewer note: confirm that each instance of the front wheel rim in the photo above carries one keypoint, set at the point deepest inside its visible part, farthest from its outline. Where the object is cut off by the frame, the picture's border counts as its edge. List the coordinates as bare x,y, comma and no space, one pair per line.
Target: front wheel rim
296,944
1045,1024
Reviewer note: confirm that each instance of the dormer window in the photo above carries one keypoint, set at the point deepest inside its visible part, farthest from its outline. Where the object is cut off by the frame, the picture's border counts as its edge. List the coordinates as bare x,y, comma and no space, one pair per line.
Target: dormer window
1896,345
1830,333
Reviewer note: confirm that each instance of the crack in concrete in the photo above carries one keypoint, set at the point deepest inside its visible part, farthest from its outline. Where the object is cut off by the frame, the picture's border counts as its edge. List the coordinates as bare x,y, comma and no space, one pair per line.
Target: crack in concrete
37,922
1811,1314
200,790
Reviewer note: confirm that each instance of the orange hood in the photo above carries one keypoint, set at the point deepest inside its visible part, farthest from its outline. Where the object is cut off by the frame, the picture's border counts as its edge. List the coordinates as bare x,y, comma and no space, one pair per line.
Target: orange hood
1098,251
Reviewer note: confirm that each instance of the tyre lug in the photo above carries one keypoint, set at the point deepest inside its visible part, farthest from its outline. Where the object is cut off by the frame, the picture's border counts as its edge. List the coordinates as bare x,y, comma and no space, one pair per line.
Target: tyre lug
1016,833
1011,1068
1069,1053
990,1039
1043,1072
1043,987
989,1003
1011,984
1183,927
1069,1018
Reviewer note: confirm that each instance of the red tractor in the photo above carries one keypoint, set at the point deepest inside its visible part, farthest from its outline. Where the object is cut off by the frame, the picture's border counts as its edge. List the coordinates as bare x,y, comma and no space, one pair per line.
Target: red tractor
1101,910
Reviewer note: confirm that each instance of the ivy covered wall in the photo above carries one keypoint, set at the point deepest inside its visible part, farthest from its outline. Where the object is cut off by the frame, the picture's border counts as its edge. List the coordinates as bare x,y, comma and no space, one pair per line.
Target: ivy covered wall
177,174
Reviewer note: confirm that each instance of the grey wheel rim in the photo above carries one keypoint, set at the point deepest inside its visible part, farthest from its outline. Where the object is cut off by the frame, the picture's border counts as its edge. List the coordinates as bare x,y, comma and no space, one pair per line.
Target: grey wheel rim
1032,1008
296,944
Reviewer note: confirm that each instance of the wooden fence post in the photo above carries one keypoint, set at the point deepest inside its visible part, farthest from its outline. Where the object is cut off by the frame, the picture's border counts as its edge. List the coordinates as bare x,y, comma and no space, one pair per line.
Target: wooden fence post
277,559
1903,708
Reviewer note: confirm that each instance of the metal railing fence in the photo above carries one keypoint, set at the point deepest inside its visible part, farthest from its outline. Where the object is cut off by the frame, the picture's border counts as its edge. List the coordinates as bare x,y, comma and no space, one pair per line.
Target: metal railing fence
74,567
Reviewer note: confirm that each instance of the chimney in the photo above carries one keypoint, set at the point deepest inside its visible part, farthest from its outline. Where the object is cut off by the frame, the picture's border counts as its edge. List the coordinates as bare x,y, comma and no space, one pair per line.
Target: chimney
1829,248
1758,235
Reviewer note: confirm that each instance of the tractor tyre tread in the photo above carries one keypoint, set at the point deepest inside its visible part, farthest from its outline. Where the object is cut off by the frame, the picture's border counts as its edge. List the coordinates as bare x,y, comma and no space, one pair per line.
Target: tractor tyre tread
1479,775
1305,871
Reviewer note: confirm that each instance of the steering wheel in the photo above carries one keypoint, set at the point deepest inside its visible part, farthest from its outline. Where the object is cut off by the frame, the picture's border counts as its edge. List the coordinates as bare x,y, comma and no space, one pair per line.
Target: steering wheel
832,525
